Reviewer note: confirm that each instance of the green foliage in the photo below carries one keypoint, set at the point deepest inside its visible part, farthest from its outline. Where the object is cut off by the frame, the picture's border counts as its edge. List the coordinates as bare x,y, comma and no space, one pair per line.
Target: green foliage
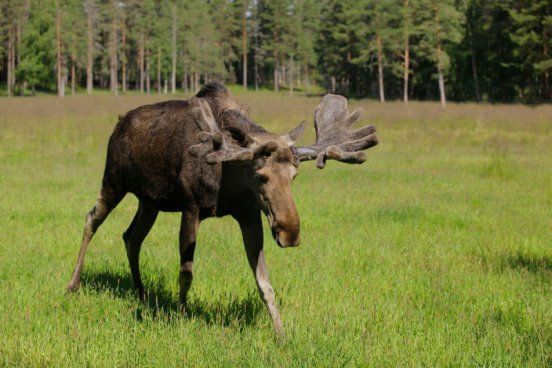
37,55
532,37
486,50
373,20
337,42
204,50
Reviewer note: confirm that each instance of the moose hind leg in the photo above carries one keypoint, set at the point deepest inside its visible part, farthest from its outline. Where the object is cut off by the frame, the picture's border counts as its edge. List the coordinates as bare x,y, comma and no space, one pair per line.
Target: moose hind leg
133,237
94,218
188,234
252,232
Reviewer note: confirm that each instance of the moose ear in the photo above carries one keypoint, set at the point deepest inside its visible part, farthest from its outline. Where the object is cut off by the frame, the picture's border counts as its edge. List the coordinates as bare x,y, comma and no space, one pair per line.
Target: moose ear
232,122
238,136
296,134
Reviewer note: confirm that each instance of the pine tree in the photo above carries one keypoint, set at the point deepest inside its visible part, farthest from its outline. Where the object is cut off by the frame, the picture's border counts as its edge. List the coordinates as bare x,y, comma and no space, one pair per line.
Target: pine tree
337,44
375,30
91,13
74,36
113,10
442,26
16,13
37,57
274,24
174,32
227,19
532,36
60,51
244,12
309,22
407,29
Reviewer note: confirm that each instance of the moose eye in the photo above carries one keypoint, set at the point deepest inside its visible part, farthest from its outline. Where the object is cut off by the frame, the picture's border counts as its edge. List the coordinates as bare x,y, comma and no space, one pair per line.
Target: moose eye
261,178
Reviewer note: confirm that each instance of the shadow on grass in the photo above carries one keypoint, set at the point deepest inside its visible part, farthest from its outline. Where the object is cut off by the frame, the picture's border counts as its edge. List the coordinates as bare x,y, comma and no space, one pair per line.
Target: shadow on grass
161,303
536,264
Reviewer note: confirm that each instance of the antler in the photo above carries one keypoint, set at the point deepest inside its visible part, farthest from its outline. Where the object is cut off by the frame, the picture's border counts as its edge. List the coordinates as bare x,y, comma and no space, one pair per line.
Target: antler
334,138
215,143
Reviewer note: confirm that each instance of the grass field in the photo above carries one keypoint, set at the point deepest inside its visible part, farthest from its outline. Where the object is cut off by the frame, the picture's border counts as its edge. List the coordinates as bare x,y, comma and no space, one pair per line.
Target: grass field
436,252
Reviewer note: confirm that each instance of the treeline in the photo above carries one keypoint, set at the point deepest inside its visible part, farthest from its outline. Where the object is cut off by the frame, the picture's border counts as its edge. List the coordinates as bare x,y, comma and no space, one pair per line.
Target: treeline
479,50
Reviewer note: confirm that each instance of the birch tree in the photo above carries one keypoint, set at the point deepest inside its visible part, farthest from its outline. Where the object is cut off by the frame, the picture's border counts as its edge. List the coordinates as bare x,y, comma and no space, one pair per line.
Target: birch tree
443,23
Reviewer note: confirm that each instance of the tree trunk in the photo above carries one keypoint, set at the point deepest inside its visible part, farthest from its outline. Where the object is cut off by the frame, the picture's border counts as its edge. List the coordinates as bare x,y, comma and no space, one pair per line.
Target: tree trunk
113,52
380,69
256,57
73,66
192,79
90,48
276,76
545,54
185,78
173,71
10,70
290,75
439,56
12,63
442,86
123,54
60,79
18,40
244,44
282,64
406,73
406,68
473,61
475,79
256,70
159,70
141,62
299,78
148,79
306,76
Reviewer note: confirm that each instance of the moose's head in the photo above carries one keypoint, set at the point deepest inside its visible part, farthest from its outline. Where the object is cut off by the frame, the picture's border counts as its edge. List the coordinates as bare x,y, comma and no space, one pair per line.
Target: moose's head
272,160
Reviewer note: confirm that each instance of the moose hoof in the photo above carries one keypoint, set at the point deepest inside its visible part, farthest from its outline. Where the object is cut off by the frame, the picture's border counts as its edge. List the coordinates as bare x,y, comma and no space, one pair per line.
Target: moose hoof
73,287
182,306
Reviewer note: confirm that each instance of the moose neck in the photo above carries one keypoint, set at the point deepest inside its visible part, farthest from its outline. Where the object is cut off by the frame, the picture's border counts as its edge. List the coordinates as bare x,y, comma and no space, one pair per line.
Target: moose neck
235,190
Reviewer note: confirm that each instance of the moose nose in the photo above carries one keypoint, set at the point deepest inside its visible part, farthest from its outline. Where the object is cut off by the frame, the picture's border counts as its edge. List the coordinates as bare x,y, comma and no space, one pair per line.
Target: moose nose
286,238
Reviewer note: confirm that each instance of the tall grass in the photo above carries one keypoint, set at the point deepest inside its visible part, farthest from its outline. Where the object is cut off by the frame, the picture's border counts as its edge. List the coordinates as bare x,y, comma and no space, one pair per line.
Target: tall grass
435,252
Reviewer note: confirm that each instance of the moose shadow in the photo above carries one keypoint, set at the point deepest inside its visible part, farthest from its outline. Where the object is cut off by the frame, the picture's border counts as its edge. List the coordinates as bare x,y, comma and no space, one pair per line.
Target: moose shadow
164,305
535,264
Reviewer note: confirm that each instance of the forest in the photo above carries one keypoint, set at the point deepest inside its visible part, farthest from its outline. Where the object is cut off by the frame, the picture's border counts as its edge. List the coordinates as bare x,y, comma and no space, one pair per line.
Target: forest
461,50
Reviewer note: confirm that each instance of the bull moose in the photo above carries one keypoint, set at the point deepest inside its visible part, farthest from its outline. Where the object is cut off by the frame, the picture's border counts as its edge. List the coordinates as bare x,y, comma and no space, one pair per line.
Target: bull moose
205,157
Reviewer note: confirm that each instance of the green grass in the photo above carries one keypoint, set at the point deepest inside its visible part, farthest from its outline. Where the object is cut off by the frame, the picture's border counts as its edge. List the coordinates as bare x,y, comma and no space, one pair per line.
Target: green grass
436,252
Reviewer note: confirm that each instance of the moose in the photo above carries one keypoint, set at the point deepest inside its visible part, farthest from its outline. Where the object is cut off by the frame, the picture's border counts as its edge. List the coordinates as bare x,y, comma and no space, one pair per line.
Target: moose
205,157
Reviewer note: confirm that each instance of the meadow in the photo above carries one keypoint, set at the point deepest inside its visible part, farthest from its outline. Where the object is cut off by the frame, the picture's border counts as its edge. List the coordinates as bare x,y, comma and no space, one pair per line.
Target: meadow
436,252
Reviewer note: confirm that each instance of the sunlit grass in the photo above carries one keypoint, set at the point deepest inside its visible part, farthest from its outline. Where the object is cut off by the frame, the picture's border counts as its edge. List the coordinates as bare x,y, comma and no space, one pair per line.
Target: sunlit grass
435,252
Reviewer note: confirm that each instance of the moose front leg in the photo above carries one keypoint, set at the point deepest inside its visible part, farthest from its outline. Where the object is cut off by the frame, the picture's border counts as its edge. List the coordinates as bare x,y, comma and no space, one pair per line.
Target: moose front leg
252,232
188,233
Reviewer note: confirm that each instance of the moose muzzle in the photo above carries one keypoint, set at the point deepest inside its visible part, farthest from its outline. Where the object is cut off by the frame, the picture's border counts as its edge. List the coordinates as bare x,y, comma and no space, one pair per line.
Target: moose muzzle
287,234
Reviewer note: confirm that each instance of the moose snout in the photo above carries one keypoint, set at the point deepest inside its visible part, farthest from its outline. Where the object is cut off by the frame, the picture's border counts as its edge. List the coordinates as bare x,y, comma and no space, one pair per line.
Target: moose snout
286,237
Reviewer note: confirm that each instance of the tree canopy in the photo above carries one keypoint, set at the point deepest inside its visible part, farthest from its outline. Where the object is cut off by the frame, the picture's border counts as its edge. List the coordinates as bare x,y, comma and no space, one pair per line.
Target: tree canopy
464,50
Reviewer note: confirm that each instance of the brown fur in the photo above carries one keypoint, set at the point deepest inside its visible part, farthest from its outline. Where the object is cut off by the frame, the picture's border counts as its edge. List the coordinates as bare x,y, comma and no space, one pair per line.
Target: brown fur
205,157
148,155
